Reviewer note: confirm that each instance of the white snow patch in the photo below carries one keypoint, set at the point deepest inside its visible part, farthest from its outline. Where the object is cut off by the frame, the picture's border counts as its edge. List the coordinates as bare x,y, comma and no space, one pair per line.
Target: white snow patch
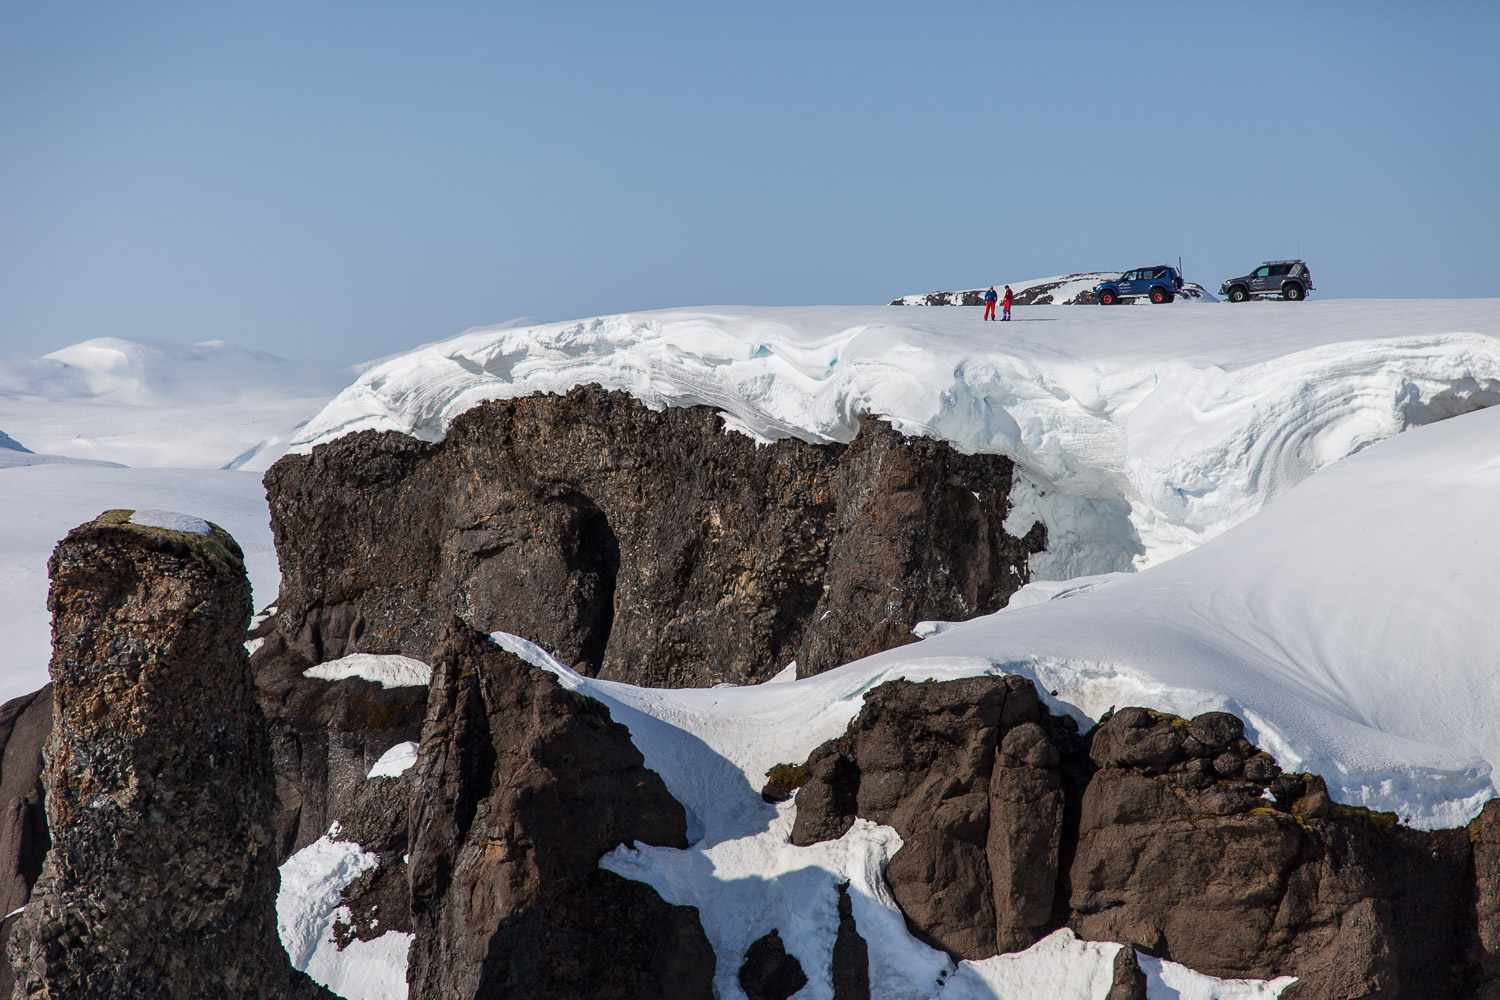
171,520
395,761
1058,967
1170,981
389,670
309,904
786,673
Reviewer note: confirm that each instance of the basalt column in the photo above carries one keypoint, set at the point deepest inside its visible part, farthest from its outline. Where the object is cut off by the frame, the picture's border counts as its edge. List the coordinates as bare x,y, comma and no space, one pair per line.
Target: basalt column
161,880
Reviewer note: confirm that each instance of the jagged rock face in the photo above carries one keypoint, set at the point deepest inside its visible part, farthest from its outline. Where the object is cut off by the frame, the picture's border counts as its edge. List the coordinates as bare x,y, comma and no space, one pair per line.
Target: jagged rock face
161,879
325,735
25,724
1181,854
521,787
376,818
651,547
980,852
1176,837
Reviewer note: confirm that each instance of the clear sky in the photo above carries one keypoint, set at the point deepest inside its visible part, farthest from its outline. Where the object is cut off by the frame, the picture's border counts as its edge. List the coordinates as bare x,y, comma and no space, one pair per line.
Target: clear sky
339,181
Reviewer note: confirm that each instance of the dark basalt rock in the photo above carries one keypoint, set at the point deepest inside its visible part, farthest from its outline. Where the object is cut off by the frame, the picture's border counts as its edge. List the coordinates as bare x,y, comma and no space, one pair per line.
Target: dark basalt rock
1176,837
648,546
376,818
521,787
25,724
1182,862
920,758
326,735
768,972
161,879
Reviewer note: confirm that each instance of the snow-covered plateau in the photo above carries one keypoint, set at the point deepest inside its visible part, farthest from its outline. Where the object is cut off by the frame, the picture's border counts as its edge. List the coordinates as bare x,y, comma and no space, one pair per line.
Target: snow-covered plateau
1259,508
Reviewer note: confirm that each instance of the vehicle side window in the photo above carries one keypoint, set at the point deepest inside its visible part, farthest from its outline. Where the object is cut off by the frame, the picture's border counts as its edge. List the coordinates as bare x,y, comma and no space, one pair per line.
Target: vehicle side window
1262,272
1281,270
1128,276
1160,272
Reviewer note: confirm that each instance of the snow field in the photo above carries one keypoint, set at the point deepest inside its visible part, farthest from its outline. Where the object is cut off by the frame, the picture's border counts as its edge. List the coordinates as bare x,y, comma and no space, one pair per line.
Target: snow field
157,403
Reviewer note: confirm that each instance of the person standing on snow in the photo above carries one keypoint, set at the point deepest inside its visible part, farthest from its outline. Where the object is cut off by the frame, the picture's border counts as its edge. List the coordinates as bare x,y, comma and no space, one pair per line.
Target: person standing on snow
1008,296
989,303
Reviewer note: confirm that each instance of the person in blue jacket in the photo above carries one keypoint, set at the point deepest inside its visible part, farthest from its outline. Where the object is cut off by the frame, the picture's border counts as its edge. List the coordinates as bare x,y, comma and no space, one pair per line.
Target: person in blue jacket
989,303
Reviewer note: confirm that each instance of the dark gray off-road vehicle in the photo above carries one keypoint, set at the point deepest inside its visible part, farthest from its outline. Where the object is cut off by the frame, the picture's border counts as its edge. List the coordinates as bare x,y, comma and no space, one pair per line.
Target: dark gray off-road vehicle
1289,279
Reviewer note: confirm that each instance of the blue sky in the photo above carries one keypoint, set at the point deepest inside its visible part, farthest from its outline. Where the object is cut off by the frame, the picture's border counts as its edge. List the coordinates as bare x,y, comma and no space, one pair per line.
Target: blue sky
338,181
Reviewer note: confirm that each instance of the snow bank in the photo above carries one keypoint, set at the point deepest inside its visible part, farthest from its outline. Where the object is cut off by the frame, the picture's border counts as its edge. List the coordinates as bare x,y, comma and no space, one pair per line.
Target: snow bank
386,669
1140,433
310,903
1170,981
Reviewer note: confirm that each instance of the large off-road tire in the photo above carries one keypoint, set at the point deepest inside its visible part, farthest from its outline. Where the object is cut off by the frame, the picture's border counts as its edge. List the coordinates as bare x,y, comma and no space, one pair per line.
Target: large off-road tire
1107,298
1159,295
1293,292
1238,294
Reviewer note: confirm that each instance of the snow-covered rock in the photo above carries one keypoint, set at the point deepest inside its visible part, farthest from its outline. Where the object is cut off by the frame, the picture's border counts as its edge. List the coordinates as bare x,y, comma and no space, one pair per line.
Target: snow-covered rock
1140,433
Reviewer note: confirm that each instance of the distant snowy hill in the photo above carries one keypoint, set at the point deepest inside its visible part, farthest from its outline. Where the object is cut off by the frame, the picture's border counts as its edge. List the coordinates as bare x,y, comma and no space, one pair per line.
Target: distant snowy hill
157,403
72,421
1062,290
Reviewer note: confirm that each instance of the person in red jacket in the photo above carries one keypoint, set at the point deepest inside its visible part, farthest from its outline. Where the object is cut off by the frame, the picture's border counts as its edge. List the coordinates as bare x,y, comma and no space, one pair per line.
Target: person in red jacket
1008,296
989,303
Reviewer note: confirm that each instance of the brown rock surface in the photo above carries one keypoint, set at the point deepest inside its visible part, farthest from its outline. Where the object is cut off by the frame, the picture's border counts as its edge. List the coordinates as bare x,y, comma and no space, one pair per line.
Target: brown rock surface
648,546
161,880
521,787
1177,837
25,724
1185,863
919,757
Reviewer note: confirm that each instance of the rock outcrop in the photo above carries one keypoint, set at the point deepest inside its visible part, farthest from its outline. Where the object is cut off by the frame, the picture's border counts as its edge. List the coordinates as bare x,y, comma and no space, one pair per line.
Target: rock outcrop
25,724
161,878
521,787
977,872
1176,837
648,546
768,972
326,735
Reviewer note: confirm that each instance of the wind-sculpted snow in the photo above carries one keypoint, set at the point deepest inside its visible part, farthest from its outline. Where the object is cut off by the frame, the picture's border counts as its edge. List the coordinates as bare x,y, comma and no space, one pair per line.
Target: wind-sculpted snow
1140,432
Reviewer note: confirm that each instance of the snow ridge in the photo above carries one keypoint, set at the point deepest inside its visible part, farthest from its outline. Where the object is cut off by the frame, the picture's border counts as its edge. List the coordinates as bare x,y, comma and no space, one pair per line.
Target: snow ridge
1140,433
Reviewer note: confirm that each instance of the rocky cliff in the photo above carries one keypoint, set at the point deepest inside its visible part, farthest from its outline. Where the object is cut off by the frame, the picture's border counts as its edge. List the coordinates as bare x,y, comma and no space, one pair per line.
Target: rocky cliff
648,546
161,876
653,547
1175,836
520,788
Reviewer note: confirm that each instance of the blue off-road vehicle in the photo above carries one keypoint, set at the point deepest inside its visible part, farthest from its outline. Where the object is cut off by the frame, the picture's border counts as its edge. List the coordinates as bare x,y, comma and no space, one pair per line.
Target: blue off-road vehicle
1161,283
